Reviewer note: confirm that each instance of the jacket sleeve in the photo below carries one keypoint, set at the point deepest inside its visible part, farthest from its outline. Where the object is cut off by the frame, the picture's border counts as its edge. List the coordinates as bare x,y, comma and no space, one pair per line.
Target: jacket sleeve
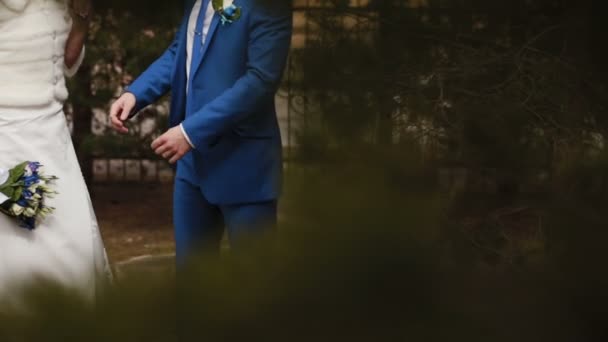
269,41
155,82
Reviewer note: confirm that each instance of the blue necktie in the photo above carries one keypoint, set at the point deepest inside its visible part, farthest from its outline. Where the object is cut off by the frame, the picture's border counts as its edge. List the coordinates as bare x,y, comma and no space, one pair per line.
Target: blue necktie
197,47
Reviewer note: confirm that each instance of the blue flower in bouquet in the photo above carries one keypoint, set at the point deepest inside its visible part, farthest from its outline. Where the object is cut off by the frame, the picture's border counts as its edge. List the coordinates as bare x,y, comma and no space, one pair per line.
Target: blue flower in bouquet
27,194
23,191
33,166
31,180
29,223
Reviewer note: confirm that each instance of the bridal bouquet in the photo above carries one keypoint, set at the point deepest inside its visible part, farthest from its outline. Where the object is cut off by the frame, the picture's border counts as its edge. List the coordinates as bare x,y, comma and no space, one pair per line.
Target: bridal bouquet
23,190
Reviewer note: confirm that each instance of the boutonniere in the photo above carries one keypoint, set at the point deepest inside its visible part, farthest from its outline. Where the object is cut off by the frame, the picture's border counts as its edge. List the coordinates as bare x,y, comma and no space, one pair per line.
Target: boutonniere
228,13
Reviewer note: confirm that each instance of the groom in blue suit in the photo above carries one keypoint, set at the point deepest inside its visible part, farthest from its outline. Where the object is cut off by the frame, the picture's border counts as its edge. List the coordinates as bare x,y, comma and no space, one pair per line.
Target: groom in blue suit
223,70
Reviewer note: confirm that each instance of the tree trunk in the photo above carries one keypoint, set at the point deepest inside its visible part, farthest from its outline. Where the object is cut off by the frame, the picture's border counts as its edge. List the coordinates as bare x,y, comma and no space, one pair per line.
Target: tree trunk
579,33
385,41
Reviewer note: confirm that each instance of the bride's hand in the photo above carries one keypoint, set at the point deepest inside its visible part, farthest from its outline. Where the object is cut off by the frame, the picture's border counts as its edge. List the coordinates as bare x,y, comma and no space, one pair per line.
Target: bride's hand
81,10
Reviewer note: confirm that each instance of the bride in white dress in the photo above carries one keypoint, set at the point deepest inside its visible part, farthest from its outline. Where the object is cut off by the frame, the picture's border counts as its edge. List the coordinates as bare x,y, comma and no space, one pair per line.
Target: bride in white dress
40,42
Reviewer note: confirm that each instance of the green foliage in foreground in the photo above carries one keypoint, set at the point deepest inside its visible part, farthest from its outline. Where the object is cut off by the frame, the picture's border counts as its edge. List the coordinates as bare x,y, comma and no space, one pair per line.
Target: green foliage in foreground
362,256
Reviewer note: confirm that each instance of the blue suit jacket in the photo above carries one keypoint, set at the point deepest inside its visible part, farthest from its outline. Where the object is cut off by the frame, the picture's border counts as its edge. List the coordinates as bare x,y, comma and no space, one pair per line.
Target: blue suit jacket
229,112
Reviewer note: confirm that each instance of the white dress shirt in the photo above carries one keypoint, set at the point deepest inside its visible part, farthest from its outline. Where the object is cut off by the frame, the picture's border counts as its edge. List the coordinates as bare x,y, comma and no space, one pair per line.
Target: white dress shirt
192,28
192,34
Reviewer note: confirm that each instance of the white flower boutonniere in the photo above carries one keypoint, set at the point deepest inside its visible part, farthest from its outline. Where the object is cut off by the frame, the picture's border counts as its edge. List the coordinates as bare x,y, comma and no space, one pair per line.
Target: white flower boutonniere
227,11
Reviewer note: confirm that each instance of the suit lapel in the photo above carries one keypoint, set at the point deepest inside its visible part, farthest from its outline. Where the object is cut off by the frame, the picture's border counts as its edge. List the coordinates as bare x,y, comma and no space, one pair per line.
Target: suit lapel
208,40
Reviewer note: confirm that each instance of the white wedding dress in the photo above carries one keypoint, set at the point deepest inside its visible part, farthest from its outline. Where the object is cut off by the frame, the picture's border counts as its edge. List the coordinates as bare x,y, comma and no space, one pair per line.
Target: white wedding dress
66,247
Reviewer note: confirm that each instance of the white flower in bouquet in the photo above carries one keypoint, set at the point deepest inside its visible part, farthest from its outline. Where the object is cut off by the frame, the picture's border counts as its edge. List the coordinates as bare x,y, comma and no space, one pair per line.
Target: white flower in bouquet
17,210
29,212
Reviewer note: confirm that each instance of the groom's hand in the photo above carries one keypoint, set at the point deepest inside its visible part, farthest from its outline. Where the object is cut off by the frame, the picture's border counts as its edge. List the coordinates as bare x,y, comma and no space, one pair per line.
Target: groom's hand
172,145
120,111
